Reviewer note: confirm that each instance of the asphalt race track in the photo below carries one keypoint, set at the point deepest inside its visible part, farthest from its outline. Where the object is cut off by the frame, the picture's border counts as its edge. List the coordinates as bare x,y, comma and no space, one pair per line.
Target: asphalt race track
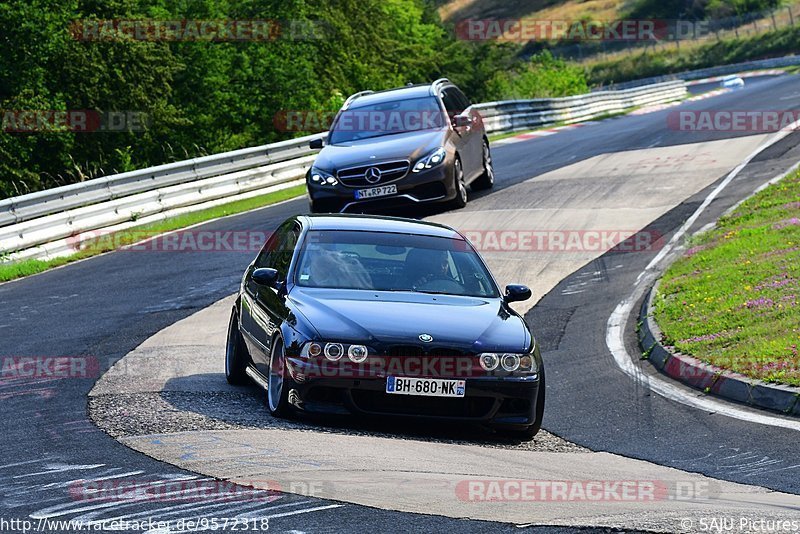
105,307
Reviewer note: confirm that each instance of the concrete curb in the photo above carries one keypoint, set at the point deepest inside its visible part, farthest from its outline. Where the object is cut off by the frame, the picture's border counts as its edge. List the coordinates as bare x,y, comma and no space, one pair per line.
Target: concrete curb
705,377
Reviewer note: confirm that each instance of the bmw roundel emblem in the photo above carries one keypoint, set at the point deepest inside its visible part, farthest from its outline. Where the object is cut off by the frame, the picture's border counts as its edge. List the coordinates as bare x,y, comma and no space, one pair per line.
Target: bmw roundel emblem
425,338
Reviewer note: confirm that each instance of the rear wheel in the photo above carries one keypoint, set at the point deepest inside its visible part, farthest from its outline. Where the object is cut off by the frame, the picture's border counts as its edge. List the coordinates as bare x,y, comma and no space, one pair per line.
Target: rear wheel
277,381
236,356
486,180
461,187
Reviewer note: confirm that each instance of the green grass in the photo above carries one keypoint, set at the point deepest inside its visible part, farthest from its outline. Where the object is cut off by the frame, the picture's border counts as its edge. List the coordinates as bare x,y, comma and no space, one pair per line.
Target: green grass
697,56
13,270
604,116
732,299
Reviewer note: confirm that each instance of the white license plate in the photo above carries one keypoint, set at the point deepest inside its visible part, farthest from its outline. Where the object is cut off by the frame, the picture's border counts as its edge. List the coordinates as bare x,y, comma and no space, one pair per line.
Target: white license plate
381,191
426,387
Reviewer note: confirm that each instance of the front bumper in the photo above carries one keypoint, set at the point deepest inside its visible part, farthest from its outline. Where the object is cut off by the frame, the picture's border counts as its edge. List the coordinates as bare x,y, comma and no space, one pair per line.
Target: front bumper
509,401
430,186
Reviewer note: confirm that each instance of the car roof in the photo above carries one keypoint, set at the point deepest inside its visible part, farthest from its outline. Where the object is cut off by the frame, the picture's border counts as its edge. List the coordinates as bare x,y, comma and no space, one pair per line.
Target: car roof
389,95
379,223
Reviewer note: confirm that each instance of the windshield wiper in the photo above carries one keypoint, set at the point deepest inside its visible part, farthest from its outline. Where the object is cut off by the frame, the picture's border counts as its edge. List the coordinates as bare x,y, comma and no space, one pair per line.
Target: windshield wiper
431,292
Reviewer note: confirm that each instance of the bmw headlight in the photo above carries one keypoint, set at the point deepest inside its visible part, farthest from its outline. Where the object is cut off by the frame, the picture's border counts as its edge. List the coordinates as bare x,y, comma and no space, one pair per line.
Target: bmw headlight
509,362
431,160
489,361
357,353
335,351
320,177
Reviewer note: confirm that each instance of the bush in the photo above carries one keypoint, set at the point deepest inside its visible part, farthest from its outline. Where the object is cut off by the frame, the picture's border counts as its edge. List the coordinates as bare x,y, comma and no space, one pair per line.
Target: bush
726,51
541,77
204,97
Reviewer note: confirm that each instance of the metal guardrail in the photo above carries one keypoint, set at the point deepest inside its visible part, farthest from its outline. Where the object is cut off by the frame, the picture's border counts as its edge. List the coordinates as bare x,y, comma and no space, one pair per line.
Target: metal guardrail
515,115
722,70
26,207
43,224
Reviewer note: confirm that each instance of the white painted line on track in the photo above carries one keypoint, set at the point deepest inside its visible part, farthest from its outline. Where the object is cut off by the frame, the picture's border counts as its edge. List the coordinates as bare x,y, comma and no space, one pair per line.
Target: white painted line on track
615,329
711,196
304,511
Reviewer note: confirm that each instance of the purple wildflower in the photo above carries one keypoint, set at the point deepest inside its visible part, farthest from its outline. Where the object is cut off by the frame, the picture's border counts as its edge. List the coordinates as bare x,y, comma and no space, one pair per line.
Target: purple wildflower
761,302
794,221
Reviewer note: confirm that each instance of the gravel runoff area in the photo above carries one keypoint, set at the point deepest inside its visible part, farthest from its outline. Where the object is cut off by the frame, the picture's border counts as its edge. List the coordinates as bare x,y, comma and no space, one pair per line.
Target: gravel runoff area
135,414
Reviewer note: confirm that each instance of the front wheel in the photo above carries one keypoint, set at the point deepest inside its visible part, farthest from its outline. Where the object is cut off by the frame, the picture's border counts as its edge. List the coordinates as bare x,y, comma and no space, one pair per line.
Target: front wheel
485,180
277,383
236,356
461,187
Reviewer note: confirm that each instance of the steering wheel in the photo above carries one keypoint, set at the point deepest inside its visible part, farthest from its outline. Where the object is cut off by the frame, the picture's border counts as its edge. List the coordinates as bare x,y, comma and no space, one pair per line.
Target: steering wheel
441,285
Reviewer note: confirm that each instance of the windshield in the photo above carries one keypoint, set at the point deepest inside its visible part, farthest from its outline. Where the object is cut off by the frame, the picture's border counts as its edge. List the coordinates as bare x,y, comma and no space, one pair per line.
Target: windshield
387,118
383,261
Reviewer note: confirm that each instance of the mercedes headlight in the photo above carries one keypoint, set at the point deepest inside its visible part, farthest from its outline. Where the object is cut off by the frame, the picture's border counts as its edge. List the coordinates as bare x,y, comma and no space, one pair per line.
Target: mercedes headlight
431,160
320,177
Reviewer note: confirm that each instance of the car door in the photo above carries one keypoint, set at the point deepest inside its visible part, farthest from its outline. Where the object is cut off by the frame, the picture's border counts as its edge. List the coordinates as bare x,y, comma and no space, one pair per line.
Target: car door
264,308
468,137
475,138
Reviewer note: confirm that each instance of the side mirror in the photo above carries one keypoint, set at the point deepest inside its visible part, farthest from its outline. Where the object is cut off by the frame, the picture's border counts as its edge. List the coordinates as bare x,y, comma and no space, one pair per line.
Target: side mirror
266,277
517,293
462,121
315,144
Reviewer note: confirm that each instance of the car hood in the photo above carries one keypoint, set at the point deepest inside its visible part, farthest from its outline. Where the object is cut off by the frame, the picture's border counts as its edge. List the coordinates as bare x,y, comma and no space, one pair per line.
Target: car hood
409,145
380,319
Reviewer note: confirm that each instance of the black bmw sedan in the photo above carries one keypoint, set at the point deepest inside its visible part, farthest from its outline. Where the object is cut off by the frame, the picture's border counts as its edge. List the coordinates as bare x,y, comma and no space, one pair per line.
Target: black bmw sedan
384,316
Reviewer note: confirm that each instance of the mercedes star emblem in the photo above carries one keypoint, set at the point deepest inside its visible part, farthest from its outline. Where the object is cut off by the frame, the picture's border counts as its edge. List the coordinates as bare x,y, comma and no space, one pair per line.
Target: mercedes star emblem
373,175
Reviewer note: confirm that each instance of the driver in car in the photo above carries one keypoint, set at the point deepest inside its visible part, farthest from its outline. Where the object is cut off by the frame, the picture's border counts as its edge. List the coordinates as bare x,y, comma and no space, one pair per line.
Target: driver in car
426,265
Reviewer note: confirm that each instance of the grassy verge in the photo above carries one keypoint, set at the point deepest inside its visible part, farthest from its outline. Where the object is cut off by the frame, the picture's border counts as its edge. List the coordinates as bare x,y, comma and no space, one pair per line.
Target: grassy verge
604,116
11,271
695,56
732,299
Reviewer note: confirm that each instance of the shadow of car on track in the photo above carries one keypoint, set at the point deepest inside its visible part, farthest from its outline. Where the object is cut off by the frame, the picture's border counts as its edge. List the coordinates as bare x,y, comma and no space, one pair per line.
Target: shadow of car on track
209,396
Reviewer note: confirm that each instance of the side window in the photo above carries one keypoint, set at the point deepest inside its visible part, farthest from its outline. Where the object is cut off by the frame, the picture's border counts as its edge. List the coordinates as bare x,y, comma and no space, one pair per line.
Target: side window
451,102
279,248
464,102
282,258
264,258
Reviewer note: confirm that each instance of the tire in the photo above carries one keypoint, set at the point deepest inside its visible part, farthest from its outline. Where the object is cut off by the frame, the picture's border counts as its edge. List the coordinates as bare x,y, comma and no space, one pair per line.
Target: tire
485,180
277,382
461,187
236,356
